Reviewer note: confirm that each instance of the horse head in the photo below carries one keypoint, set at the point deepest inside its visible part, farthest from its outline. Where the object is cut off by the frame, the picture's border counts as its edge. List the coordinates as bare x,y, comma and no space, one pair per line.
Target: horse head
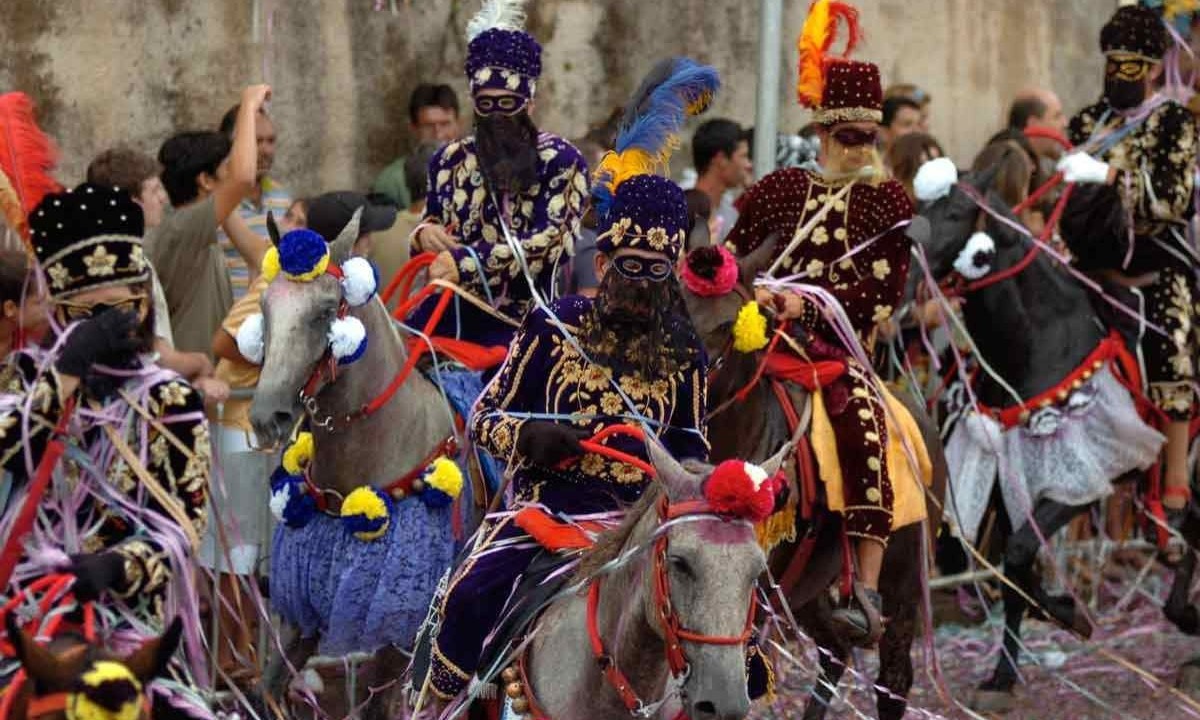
955,216
89,681
297,317
709,564
713,312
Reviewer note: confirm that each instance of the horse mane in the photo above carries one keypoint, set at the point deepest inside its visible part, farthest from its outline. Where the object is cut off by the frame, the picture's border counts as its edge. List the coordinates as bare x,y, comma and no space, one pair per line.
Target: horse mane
612,543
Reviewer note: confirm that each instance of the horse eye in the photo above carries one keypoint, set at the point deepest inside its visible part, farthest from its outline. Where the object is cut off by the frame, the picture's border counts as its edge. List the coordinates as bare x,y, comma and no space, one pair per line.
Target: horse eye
680,565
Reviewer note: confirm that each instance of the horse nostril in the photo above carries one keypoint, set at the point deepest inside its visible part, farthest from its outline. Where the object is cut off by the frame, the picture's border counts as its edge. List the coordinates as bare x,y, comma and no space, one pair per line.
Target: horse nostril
281,420
705,709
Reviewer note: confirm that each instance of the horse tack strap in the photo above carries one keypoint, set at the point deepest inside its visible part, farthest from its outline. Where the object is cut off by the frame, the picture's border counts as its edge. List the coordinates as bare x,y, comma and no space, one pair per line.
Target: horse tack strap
398,489
58,702
608,665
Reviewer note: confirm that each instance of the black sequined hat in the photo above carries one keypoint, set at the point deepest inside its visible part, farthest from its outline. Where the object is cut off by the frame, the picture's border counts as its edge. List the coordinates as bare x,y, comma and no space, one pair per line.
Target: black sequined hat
88,238
1135,30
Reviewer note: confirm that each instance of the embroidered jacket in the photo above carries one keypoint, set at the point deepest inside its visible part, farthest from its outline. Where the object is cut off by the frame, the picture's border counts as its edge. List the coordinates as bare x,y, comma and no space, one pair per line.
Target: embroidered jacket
545,375
1155,181
179,459
544,219
868,285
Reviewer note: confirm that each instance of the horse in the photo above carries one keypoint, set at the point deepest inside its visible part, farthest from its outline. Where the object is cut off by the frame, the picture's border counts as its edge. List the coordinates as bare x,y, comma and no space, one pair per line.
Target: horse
755,425
352,447
1036,329
69,675
678,615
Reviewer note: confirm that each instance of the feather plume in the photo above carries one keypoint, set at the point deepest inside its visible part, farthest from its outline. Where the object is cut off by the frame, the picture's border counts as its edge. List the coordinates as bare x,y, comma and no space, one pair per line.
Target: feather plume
502,14
815,41
26,155
675,89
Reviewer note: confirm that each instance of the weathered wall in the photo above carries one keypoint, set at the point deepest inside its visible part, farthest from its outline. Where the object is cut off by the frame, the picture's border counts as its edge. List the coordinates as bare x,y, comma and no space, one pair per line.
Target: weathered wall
108,71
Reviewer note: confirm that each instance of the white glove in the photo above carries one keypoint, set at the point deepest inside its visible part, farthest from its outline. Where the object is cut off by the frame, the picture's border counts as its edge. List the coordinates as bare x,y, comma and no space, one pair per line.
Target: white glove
1080,167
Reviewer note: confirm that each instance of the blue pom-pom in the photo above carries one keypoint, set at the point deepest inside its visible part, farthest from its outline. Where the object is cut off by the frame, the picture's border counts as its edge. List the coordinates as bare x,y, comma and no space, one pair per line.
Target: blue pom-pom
290,502
434,498
301,253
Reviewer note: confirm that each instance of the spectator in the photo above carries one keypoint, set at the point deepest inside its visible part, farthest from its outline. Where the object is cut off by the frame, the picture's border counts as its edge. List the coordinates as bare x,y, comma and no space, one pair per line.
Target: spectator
901,116
1016,168
206,179
432,117
721,155
390,249
267,195
908,154
136,173
918,95
1040,108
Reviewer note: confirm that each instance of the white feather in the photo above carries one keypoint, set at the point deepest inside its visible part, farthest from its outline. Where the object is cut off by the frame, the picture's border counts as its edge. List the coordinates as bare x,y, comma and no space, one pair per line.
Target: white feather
250,339
503,14
935,179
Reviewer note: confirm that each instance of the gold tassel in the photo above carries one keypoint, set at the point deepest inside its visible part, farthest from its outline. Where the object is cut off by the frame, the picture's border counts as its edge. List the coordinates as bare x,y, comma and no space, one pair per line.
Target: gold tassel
780,527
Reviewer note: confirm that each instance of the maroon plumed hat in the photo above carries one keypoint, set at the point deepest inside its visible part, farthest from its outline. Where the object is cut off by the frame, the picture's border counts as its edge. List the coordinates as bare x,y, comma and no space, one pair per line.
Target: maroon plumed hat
852,93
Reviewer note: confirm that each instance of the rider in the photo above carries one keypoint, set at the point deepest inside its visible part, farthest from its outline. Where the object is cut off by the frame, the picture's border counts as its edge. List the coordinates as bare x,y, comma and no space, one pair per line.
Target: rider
630,355
850,203
1137,151
138,454
506,188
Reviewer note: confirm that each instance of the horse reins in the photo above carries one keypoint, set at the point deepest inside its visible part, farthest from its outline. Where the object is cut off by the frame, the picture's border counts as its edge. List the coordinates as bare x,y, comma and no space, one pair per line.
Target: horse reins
673,630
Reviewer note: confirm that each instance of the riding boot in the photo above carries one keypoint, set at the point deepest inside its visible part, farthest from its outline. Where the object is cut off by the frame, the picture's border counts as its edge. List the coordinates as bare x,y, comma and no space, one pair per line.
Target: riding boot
860,621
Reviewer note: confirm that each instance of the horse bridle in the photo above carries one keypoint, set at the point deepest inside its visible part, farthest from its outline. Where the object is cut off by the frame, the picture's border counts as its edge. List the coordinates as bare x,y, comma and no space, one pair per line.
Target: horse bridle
674,632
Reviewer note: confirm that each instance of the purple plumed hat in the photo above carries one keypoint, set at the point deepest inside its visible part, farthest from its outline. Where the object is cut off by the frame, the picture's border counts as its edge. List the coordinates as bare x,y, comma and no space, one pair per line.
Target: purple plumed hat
500,54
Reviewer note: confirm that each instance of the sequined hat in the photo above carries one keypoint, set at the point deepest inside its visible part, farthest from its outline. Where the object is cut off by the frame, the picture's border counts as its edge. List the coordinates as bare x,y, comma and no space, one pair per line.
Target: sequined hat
836,88
87,238
648,212
1137,31
500,54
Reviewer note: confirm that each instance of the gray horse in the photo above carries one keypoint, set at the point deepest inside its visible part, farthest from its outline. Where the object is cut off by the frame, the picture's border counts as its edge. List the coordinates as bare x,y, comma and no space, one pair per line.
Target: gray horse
352,450
713,565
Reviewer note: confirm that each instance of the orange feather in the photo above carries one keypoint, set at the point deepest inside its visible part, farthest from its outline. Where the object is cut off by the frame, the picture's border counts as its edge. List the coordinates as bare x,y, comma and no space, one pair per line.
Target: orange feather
815,41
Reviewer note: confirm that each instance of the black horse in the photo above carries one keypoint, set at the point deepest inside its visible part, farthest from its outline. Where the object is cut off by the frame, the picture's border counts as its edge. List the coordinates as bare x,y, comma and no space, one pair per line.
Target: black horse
1033,328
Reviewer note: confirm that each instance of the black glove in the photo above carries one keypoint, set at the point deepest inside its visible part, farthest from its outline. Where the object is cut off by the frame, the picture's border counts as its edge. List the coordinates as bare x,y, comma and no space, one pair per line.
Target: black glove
547,444
107,339
96,572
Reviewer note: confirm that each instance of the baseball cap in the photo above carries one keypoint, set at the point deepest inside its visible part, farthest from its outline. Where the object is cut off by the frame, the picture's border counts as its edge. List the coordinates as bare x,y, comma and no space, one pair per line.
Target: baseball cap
329,213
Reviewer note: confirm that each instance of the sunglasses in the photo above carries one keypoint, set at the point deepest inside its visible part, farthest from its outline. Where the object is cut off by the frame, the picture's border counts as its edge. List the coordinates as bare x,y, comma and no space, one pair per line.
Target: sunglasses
852,137
69,312
500,104
634,267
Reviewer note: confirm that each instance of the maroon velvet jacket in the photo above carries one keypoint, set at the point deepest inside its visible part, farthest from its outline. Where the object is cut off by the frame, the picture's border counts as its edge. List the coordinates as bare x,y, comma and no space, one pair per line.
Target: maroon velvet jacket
869,285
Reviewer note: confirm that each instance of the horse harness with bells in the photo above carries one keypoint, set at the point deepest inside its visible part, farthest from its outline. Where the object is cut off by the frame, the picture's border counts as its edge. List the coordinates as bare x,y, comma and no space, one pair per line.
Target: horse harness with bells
516,678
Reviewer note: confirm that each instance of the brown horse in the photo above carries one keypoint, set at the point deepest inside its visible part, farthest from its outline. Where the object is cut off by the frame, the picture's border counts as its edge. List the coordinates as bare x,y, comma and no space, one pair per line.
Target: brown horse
756,426
70,673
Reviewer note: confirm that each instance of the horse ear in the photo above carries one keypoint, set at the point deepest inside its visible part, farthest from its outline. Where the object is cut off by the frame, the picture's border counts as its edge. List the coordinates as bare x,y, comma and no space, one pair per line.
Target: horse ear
343,245
150,660
679,483
272,228
773,464
39,663
982,180
759,258
699,236
919,230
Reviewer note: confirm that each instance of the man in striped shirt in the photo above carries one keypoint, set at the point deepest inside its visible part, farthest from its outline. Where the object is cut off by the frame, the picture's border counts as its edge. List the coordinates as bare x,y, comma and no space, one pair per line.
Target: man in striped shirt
268,195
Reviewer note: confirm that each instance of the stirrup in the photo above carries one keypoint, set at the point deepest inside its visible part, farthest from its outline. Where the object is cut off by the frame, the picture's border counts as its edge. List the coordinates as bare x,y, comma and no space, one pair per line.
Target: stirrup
861,621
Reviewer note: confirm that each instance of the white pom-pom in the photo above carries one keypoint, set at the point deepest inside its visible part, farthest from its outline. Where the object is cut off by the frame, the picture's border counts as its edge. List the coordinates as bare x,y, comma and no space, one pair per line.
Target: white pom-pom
935,179
250,339
975,260
359,282
280,499
346,336
757,475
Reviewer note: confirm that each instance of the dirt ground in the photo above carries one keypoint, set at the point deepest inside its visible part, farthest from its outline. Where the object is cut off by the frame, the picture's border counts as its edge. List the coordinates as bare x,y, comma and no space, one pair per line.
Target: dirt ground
1063,677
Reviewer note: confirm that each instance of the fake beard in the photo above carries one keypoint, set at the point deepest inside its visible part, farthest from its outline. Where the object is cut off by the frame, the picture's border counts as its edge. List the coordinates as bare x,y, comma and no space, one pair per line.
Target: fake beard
1123,94
639,327
507,146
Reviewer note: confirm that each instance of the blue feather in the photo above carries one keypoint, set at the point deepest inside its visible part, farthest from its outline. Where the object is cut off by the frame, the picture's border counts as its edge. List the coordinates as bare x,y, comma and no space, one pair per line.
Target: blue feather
656,113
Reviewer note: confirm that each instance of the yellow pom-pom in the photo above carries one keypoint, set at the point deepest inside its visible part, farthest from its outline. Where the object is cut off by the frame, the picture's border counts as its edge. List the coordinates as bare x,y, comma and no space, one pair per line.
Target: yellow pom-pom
445,475
270,263
750,329
82,707
298,454
313,274
365,512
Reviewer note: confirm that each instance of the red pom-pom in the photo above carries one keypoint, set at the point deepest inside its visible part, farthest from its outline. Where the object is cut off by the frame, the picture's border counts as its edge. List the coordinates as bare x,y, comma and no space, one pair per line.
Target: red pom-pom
742,490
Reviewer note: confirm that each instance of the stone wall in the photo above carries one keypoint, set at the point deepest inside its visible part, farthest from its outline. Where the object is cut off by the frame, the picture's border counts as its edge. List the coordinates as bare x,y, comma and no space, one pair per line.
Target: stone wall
109,71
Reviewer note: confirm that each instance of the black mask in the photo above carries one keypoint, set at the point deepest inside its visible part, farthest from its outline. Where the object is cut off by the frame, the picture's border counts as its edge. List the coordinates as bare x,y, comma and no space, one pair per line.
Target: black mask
1124,95
508,154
